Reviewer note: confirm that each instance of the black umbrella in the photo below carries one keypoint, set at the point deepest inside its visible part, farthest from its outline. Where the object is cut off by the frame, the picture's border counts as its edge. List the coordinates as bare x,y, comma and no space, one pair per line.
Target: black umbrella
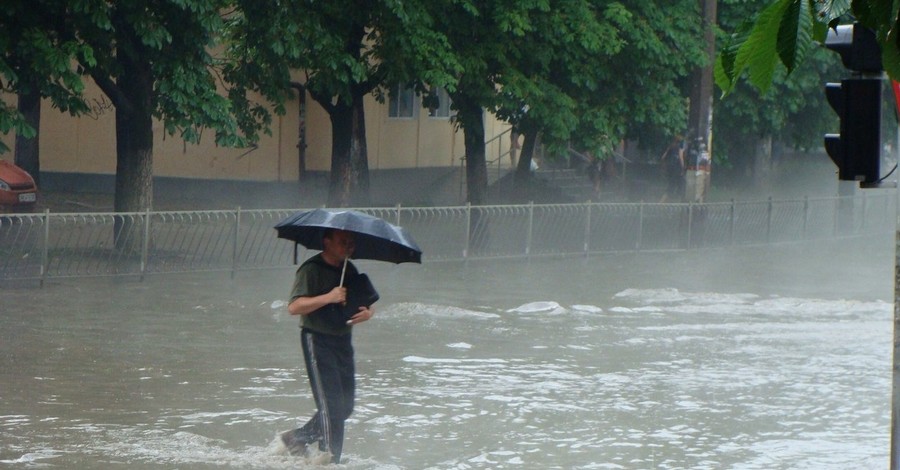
375,238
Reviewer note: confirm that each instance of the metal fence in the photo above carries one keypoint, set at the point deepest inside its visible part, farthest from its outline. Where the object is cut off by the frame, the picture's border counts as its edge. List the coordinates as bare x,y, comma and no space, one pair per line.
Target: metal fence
50,245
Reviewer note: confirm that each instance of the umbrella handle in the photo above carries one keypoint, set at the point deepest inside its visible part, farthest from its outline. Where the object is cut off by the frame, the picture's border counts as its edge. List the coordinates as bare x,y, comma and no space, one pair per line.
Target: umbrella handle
343,271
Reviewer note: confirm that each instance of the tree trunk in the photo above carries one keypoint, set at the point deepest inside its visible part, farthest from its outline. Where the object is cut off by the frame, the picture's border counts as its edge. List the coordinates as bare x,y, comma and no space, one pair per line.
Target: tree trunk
134,151
471,118
349,183
134,163
523,167
27,150
523,175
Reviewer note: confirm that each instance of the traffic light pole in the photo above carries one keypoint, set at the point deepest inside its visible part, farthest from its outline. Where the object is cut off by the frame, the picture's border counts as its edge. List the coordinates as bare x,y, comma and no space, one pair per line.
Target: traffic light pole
895,376
895,366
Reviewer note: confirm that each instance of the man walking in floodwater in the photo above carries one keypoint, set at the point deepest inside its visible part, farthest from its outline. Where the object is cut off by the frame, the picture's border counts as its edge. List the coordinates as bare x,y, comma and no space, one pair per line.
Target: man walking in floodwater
317,296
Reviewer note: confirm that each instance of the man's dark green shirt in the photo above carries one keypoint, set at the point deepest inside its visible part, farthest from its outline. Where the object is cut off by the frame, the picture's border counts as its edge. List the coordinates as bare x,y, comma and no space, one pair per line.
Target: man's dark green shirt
316,277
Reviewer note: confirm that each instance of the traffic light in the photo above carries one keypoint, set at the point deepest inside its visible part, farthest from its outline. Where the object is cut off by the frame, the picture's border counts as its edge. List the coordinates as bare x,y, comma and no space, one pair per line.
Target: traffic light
857,101
857,149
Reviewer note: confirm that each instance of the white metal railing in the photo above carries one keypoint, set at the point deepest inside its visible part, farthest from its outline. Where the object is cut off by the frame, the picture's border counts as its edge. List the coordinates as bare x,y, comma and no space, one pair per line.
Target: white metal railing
51,245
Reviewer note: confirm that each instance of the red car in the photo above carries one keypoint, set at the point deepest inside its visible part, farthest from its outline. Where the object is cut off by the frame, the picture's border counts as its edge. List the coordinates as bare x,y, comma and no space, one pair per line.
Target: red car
18,192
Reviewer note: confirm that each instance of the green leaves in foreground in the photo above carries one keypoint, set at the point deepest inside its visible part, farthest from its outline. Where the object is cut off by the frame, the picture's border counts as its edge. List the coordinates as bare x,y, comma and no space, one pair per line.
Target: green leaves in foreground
786,29
782,32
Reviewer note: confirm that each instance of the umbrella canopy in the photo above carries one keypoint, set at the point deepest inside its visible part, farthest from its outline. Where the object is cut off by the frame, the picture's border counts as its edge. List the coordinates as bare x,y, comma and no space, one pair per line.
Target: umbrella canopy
375,238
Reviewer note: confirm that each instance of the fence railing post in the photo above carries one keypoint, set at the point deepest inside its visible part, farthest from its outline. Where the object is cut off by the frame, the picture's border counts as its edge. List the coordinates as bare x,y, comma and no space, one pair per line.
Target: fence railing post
587,229
865,199
529,234
769,210
690,224
398,214
803,234
45,249
234,246
640,227
732,223
145,243
468,235
837,211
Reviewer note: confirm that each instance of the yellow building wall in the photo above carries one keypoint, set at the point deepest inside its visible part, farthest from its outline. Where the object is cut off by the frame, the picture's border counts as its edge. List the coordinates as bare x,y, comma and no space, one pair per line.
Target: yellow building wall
273,159
318,137
396,142
78,145
86,144
439,134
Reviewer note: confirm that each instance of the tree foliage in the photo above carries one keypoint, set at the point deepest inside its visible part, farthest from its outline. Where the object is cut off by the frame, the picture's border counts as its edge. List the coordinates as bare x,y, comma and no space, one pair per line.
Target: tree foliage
791,112
172,41
38,56
643,87
784,31
554,60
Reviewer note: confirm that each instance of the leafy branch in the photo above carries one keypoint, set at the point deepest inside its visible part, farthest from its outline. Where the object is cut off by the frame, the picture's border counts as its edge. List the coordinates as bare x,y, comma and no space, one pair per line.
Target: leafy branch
785,31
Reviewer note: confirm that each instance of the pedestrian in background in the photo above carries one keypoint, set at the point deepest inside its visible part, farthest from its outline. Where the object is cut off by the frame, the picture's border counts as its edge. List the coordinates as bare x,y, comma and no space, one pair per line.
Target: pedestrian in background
672,162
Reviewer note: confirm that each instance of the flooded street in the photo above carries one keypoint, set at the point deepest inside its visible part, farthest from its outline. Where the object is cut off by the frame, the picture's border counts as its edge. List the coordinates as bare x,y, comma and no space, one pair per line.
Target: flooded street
757,358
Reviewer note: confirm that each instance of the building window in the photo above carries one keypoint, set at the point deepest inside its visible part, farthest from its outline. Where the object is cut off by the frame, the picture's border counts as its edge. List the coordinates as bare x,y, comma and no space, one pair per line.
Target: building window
442,110
402,102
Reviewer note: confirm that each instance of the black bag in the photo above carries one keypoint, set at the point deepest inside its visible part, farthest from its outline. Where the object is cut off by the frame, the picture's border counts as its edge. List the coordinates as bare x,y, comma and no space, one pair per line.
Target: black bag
360,293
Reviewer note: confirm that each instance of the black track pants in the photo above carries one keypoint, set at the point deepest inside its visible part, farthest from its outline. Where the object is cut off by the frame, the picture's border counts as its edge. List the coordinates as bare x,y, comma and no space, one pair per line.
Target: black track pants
331,372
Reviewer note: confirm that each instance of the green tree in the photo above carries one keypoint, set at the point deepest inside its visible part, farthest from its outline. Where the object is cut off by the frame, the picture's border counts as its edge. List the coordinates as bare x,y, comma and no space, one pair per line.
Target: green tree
591,72
643,88
482,35
791,112
556,64
152,59
507,52
343,50
633,83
